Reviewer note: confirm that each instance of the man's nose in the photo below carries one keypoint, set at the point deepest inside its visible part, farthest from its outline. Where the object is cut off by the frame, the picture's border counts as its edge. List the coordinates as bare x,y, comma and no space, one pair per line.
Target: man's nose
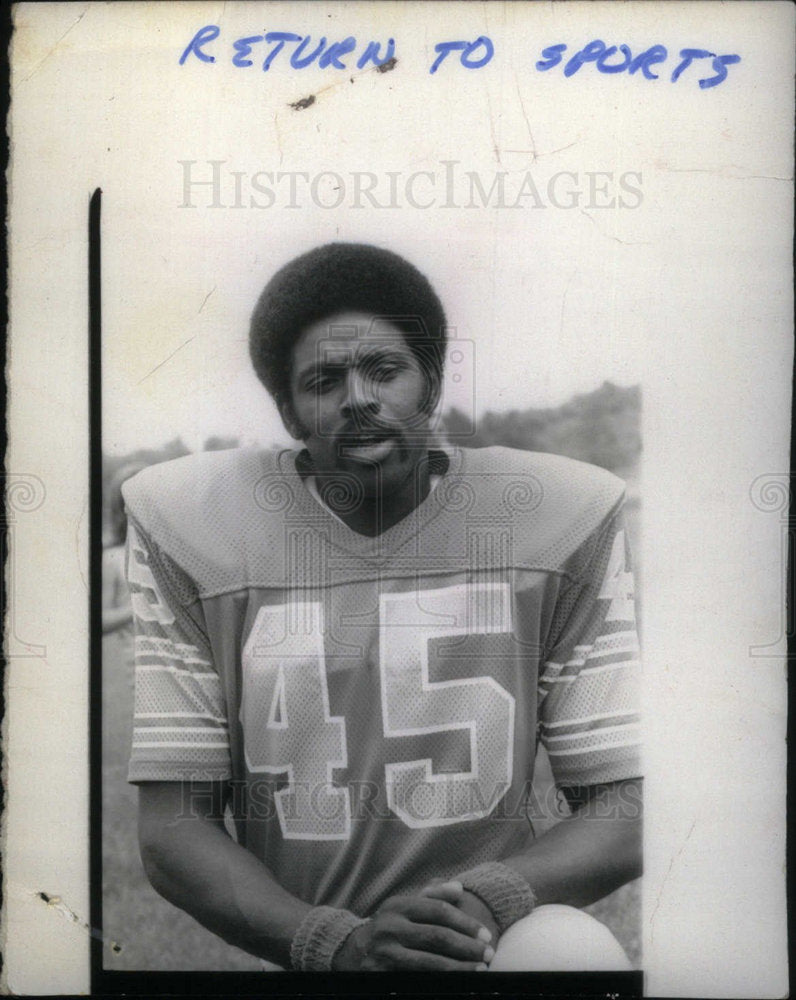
360,396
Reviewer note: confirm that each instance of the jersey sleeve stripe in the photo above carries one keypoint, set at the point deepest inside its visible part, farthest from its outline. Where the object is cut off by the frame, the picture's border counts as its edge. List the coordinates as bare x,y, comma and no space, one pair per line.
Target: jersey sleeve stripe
160,668
623,640
178,729
169,739
591,749
615,651
164,648
603,717
593,734
181,715
204,765
615,645
618,642
158,644
599,669
190,747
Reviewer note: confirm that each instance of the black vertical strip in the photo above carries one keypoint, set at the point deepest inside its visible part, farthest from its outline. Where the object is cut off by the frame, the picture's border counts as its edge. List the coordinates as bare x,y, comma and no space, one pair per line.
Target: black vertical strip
95,577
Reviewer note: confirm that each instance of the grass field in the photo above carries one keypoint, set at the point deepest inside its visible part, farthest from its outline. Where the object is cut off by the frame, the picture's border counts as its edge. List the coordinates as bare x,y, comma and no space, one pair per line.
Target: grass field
149,933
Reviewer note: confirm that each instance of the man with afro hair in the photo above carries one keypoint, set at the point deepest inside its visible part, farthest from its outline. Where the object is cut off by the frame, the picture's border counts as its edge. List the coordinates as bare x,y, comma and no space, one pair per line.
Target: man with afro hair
351,649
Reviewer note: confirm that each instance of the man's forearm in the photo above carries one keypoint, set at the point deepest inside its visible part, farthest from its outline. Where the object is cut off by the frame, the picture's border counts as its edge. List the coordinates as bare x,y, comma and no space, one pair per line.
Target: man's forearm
589,854
197,866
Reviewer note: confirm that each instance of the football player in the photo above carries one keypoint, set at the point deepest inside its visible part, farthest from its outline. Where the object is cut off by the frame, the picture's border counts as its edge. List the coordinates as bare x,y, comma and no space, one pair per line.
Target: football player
351,651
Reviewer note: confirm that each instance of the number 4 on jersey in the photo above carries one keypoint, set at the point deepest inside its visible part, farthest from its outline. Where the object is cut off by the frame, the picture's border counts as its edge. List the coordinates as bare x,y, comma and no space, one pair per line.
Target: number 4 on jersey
288,726
618,585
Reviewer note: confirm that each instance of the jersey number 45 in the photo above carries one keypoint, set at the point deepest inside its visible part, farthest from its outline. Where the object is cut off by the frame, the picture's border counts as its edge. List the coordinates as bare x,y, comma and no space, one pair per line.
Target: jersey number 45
289,729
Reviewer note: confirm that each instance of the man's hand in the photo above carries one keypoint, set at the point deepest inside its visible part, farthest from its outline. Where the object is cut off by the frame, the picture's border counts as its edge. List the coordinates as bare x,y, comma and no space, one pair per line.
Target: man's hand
422,933
468,903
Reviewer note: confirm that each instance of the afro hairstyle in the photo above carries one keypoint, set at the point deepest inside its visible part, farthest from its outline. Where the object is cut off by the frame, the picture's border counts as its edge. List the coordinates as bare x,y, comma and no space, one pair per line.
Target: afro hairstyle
344,277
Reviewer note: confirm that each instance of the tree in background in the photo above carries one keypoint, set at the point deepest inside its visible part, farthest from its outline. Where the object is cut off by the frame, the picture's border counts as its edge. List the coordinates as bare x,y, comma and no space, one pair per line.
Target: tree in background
216,443
601,427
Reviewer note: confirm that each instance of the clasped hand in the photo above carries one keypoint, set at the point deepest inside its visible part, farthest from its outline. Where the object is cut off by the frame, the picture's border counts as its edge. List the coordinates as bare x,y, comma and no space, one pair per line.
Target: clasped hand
442,928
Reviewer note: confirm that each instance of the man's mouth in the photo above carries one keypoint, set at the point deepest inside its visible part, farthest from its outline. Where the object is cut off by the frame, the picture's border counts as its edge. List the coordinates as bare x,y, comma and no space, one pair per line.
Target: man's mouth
367,446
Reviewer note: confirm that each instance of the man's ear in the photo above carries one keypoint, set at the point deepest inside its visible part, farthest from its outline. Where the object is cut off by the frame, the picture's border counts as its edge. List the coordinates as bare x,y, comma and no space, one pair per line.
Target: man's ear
292,424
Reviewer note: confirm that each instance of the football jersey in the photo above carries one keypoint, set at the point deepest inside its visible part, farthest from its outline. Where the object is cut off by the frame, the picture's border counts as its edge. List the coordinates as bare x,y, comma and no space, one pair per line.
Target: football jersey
376,702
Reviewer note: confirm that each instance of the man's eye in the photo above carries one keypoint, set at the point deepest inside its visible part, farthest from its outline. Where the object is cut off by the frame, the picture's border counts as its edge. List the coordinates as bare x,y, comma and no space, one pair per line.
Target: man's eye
383,373
321,384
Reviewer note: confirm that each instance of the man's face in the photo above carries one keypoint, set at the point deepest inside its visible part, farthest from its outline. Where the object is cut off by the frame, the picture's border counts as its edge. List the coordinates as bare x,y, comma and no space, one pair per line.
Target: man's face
359,394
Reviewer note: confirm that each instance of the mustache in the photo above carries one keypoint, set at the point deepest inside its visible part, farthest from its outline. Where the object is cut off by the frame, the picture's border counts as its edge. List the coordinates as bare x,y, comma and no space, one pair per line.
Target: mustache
354,430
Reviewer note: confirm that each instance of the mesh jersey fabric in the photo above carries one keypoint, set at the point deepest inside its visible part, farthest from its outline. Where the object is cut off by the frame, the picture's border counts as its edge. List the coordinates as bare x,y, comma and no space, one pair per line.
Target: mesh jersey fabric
376,702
